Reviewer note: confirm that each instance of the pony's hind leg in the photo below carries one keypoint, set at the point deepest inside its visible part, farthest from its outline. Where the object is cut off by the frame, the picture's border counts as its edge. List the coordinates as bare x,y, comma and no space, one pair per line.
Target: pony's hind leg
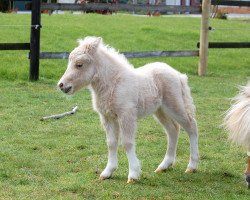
191,127
172,130
112,134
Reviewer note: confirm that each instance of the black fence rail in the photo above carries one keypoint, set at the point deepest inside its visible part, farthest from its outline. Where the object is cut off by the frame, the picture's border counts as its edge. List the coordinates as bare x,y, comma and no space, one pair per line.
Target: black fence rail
230,3
88,7
14,46
223,45
141,54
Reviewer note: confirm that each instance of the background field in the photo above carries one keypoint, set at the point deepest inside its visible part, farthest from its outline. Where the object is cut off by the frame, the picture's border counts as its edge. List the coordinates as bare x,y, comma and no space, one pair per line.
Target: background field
62,159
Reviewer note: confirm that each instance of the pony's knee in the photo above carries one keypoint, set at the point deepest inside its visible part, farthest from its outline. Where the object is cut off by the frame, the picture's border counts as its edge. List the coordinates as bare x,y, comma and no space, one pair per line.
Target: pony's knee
174,128
112,144
190,126
128,145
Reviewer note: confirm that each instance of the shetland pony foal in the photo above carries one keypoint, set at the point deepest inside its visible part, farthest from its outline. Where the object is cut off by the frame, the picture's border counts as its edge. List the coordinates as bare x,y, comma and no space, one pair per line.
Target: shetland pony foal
237,122
121,94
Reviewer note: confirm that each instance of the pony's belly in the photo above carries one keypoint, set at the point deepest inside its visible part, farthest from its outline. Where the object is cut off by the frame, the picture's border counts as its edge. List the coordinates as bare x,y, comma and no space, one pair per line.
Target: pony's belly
148,108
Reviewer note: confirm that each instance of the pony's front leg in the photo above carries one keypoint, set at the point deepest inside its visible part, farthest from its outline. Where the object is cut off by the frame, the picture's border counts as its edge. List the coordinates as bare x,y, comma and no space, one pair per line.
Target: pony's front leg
112,134
247,172
128,131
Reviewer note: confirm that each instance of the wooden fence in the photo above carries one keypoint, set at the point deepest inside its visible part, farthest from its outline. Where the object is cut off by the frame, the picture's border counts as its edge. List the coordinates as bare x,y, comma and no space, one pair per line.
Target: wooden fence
163,9
34,46
203,45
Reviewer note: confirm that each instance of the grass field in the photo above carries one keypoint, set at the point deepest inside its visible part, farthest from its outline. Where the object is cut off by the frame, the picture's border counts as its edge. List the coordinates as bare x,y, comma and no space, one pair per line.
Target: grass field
62,159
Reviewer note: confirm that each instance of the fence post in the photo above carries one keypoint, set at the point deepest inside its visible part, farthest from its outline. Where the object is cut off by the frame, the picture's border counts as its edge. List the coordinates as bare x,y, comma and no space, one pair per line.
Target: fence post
35,40
203,51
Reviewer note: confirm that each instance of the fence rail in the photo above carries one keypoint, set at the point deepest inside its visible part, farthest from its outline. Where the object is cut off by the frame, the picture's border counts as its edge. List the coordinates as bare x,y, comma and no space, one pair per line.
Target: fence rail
230,3
224,45
120,7
14,46
142,54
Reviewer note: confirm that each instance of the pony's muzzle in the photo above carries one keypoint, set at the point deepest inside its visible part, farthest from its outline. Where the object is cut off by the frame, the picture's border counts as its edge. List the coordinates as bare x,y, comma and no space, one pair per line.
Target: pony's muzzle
64,88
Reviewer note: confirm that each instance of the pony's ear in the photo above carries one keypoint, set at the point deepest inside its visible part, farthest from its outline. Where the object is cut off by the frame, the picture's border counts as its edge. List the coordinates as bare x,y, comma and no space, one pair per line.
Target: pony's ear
90,44
80,42
97,41
91,48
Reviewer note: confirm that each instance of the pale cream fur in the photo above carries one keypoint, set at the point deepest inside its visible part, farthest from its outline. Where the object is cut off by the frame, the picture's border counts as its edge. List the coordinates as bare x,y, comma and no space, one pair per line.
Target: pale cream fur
121,94
237,119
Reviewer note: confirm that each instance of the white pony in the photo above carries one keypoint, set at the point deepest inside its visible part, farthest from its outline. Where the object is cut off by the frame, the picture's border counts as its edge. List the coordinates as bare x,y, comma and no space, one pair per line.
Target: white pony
121,94
237,123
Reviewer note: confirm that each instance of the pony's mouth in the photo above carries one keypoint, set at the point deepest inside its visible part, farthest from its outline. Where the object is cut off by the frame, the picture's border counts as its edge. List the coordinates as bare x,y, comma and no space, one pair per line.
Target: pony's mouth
67,90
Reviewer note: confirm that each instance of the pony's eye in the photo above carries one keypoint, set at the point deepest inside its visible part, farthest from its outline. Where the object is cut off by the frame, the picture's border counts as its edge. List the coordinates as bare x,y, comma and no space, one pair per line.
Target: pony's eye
78,65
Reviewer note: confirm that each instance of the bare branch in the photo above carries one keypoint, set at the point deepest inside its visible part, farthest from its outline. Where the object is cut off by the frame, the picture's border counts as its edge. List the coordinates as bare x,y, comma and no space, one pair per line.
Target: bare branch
58,116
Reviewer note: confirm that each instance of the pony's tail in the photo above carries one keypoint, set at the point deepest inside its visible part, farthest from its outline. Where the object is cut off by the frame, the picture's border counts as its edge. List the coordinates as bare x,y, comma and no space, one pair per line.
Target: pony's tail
237,118
186,95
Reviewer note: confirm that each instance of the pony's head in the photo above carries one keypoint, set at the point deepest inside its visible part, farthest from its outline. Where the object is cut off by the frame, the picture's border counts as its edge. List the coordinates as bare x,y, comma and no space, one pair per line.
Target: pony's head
81,66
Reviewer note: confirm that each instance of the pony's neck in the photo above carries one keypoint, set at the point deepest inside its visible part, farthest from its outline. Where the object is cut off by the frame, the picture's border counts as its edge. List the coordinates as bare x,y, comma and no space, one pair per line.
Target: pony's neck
108,70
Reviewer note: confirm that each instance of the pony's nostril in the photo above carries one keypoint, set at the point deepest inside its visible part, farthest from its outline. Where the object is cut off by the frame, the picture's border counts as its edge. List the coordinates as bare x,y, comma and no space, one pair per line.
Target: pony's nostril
60,85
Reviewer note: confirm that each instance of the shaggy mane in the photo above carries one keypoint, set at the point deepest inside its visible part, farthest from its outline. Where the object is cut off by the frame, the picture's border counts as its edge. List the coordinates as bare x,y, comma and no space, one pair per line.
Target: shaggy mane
111,52
117,56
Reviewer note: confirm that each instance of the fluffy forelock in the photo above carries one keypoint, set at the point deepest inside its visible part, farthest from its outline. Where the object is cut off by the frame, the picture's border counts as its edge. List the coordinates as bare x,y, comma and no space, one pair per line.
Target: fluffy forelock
87,40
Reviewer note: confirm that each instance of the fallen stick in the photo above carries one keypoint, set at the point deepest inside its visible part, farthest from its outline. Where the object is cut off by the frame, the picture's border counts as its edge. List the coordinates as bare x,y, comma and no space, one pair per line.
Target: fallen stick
58,116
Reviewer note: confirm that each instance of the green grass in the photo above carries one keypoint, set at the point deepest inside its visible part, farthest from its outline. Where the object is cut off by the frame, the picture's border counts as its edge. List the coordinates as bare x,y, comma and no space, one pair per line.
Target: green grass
62,159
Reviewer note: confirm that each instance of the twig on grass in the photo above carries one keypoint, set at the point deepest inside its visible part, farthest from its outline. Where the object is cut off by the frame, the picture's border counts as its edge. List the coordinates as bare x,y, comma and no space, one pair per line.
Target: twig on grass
58,116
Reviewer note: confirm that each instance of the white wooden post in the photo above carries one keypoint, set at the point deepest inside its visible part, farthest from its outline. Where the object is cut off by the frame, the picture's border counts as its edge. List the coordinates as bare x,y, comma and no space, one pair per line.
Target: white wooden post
203,52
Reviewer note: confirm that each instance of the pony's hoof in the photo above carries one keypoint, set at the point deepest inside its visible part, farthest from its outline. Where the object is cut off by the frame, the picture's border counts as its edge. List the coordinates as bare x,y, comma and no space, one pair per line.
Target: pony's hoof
132,180
248,181
102,178
190,170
